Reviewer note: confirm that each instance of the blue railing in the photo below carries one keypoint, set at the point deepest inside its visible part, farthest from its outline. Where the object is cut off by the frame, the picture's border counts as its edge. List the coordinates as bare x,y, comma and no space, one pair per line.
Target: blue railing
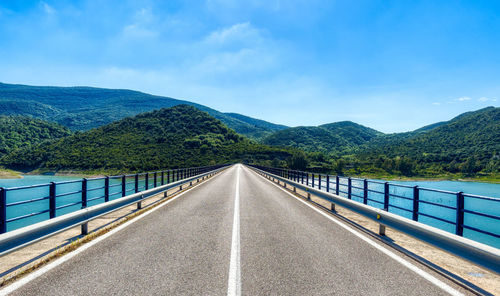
472,216
26,205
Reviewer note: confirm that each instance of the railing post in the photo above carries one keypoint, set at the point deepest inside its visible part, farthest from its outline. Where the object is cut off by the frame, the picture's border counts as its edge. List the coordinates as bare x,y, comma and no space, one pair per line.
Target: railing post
155,183
3,210
460,214
365,191
52,200
302,177
312,179
84,193
136,183
337,180
178,172
327,183
386,196
349,188
319,181
307,179
146,182
162,177
168,177
416,202
124,185
106,189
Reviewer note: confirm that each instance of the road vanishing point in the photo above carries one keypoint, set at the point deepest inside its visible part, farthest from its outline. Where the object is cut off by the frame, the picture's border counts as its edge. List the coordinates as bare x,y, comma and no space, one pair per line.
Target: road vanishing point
236,234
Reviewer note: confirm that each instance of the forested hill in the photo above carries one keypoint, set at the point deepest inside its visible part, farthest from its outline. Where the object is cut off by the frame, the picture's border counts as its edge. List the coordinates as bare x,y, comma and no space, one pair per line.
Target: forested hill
19,131
468,144
166,138
83,108
334,138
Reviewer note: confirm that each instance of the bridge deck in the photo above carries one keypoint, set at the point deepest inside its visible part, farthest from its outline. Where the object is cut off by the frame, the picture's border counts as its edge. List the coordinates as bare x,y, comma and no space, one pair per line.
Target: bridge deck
283,247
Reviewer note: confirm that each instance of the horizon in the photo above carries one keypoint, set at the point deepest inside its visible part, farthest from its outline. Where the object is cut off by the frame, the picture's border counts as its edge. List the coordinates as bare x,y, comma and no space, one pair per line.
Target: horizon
390,66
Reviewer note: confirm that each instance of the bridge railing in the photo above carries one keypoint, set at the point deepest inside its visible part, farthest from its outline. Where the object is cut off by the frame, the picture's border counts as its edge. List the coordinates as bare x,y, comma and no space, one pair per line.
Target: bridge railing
472,216
412,210
22,237
26,205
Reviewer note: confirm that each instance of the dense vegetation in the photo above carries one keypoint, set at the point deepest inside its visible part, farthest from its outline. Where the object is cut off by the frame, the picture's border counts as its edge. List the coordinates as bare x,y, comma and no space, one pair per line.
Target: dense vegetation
468,145
333,139
24,132
166,138
83,108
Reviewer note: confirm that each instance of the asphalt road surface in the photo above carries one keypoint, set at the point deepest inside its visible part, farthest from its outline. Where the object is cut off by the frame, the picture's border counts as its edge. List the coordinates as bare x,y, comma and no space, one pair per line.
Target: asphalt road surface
237,234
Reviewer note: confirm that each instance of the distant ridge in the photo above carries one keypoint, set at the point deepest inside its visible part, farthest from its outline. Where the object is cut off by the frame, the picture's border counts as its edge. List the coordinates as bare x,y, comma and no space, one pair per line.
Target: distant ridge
83,108
336,138
167,138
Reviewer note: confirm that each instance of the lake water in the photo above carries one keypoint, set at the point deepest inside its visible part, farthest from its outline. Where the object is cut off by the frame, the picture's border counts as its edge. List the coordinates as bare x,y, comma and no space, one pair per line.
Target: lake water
72,195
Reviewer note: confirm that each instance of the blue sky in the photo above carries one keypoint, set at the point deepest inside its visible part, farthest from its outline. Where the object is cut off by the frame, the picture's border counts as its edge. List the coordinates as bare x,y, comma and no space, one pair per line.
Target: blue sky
391,65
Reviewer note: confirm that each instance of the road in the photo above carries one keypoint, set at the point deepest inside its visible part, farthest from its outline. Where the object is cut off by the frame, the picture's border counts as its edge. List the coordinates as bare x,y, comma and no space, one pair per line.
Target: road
236,234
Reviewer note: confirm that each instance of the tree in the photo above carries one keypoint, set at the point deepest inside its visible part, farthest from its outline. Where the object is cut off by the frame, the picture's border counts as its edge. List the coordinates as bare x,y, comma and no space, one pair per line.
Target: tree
298,161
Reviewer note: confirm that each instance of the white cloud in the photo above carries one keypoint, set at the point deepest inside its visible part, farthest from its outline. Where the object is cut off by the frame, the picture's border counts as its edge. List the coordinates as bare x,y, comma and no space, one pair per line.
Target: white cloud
242,33
463,99
485,99
47,8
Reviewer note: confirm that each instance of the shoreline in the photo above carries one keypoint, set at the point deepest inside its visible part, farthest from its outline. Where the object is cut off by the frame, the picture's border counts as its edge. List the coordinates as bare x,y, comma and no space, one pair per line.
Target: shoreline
9,174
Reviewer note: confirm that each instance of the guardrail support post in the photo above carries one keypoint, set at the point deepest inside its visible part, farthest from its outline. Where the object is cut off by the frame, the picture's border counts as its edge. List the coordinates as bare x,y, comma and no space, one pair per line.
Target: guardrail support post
460,214
386,196
312,180
84,193
365,191
416,198
381,229
349,188
337,181
52,200
85,228
319,181
333,208
327,183
307,179
3,210
155,183
162,178
136,183
139,203
106,189
146,182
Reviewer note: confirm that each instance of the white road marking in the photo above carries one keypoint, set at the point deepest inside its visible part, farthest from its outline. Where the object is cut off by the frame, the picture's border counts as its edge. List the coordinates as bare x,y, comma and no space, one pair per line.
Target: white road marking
387,252
23,281
234,281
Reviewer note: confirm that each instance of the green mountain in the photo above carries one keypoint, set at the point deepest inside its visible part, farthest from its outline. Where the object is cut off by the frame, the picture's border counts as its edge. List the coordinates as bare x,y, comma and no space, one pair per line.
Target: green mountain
166,138
468,144
83,108
21,132
334,138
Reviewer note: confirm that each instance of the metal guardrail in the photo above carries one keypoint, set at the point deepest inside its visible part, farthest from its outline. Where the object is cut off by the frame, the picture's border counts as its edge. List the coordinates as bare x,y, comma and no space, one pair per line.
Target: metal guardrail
22,237
478,253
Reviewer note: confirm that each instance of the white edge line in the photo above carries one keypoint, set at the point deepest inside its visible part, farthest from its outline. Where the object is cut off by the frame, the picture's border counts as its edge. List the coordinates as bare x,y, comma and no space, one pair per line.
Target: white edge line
387,252
23,281
234,280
